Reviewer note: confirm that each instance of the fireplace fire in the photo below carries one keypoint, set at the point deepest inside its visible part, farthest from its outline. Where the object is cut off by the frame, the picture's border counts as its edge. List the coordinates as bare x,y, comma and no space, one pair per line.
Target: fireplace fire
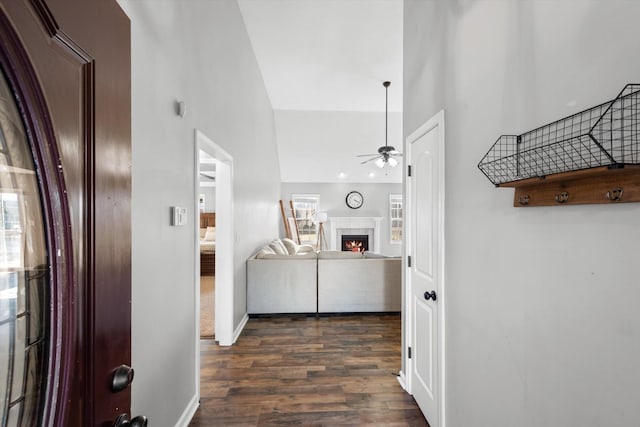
355,242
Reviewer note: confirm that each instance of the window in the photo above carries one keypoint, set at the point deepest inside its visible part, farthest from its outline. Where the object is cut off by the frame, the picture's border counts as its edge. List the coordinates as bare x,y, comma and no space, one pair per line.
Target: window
10,232
305,206
25,306
395,218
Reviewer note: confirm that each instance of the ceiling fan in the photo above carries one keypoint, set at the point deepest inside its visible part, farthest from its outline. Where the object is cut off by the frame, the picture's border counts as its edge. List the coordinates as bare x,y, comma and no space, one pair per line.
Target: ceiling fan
208,175
386,154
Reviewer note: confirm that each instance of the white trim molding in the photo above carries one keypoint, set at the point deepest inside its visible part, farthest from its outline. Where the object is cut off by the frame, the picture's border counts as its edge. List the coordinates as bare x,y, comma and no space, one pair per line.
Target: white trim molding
224,240
401,379
189,412
240,327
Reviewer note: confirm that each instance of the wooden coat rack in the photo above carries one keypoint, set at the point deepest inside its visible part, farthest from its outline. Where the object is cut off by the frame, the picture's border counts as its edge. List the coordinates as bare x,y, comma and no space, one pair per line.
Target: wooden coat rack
590,186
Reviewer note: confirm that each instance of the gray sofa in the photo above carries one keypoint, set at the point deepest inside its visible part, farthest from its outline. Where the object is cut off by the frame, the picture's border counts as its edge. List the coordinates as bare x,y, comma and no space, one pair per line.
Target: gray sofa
282,285
371,283
302,281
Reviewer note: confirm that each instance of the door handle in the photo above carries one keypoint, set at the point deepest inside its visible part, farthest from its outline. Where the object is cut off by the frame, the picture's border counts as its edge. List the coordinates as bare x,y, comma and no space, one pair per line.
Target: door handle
430,295
122,377
123,421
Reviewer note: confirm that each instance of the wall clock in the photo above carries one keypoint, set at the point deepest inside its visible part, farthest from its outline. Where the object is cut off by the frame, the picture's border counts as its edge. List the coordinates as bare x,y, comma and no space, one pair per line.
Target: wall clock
354,199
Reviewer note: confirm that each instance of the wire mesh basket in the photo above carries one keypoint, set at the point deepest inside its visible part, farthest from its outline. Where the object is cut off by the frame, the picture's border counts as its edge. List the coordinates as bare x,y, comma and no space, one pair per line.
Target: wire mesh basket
605,135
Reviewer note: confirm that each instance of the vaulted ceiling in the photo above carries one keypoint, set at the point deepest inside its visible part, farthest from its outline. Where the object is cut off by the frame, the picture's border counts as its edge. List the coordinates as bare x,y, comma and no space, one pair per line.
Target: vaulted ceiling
323,63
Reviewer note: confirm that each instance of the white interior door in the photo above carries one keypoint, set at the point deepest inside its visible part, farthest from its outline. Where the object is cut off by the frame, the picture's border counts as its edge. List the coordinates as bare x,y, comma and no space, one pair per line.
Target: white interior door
425,244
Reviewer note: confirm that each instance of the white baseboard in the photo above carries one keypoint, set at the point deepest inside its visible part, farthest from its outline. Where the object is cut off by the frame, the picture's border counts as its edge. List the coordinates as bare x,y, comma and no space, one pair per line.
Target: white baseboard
189,412
240,327
402,380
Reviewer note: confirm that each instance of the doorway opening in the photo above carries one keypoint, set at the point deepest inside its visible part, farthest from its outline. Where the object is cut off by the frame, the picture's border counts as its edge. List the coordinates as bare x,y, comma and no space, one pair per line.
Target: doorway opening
213,230
207,242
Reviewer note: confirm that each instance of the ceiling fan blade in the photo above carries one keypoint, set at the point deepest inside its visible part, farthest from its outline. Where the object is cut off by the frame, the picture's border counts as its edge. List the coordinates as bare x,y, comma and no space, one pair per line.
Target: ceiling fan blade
367,155
370,160
396,154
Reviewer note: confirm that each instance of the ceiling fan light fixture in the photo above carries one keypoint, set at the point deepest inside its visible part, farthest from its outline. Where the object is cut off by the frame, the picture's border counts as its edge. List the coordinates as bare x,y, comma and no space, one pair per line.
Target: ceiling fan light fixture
379,162
392,162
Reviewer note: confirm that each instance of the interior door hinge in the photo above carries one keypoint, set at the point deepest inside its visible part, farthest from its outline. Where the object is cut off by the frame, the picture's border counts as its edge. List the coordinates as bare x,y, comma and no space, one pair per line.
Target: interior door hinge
409,352
409,261
409,170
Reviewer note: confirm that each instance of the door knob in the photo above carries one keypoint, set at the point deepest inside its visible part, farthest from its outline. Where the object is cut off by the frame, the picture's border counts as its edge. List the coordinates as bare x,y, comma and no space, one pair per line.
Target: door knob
139,421
122,377
123,421
430,295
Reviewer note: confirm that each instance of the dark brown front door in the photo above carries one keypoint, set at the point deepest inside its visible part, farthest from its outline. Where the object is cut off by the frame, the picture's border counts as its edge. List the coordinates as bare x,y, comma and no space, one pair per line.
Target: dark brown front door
65,273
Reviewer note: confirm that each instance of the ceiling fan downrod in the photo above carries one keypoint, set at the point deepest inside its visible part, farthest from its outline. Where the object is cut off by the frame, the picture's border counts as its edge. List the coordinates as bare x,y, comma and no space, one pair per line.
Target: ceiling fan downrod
386,153
386,109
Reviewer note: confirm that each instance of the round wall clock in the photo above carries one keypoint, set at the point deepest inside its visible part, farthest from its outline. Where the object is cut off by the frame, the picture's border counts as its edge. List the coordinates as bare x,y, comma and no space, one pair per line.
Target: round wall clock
354,199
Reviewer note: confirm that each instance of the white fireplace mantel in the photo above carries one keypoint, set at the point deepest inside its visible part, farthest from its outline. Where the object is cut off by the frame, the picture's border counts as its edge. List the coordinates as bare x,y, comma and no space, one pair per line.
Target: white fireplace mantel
342,225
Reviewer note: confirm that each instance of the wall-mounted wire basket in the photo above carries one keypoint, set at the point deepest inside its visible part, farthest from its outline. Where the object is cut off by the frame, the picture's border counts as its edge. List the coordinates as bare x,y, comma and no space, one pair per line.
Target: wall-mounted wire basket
605,135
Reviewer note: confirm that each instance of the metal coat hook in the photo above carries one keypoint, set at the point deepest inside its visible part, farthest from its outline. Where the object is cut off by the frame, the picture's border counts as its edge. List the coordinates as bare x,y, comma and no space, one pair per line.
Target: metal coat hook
562,197
615,195
524,199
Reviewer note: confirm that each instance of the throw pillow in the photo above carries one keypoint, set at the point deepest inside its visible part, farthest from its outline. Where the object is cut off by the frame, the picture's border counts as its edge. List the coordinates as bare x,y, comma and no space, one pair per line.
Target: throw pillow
305,249
292,247
278,247
210,235
265,251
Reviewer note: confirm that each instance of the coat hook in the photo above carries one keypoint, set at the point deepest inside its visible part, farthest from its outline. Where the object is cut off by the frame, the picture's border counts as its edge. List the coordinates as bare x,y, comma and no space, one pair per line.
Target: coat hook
524,199
615,195
562,197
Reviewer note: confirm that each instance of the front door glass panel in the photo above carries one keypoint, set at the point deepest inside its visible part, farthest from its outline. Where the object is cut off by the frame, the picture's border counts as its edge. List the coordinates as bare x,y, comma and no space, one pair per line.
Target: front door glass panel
24,274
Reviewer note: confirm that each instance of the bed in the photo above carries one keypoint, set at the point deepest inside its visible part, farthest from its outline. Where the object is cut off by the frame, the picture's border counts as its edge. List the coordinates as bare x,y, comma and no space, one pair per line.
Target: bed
207,243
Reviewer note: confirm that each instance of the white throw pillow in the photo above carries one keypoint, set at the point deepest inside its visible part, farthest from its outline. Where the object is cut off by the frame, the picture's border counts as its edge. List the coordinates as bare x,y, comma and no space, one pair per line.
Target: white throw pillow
305,249
292,247
210,235
265,251
278,247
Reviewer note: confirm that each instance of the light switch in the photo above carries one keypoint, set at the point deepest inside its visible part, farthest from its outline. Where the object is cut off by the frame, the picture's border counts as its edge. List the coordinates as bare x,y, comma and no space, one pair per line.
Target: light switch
179,216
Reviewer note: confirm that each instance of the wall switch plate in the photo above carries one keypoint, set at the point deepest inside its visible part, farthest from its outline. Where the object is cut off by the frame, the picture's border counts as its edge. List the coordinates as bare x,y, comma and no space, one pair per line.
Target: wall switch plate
178,215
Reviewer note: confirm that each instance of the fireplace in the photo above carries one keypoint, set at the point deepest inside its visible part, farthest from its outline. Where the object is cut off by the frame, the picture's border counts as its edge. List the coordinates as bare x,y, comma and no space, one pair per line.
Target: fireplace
355,242
365,225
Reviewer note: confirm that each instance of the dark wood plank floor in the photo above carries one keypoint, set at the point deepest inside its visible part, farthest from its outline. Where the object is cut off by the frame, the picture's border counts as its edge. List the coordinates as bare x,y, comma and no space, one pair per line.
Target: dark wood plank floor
307,371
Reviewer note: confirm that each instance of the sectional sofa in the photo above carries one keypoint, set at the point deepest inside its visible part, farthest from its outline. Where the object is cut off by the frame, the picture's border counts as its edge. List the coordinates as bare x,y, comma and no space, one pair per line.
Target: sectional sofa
298,280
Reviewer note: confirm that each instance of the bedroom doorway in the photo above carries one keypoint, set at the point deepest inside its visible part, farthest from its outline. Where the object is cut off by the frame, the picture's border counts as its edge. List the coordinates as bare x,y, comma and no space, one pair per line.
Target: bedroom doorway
207,242
213,274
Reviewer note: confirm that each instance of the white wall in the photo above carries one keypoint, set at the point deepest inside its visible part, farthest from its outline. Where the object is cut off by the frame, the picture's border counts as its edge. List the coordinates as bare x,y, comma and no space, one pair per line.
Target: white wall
543,325
196,51
332,200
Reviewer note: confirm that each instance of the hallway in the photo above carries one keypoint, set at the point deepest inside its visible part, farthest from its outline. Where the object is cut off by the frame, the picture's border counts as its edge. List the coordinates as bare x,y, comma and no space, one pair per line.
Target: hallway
307,371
